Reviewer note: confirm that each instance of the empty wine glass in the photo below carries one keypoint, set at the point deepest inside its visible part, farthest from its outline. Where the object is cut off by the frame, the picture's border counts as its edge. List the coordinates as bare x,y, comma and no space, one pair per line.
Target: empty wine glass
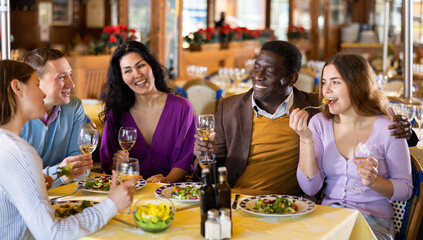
128,170
127,137
361,156
87,141
205,127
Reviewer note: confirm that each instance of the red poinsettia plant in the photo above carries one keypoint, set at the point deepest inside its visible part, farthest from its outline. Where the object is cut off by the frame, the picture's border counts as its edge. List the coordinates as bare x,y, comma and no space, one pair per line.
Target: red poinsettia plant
116,35
297,33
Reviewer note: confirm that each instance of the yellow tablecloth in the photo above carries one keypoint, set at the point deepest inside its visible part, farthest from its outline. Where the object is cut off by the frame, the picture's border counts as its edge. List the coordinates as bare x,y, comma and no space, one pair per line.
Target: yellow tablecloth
323,223
92,111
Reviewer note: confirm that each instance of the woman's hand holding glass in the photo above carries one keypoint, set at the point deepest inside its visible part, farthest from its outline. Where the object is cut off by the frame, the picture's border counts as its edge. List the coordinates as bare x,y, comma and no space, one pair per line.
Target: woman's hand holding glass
368,171
127,171
122,194
364,162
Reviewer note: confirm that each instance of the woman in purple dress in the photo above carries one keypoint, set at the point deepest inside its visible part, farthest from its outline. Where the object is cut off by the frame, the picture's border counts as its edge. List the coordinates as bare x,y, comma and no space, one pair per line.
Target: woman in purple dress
137,96
357,110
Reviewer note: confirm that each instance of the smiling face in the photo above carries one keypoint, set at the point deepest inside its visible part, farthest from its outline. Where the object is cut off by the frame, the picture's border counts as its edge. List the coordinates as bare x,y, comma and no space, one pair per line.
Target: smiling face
271,81
335,89
33,96
137,74
56,83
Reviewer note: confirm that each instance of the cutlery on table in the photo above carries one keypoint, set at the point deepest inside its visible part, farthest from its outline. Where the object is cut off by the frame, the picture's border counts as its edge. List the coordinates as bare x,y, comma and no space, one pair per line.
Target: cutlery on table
187,207
55,198
235,203
124,222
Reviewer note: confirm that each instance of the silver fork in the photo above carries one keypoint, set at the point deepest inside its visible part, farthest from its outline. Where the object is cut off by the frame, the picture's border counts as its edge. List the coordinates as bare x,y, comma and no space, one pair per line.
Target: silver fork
308,107
55,198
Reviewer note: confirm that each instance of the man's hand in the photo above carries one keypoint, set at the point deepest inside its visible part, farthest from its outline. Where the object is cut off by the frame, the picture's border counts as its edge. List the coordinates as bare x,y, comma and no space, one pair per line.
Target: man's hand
401,125
80,164
48,180
201,146
123,194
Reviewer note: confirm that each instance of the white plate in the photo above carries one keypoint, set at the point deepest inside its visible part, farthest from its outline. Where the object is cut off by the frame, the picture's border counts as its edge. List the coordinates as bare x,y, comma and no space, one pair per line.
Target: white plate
138,185
304,205
56,204
90,101
166,190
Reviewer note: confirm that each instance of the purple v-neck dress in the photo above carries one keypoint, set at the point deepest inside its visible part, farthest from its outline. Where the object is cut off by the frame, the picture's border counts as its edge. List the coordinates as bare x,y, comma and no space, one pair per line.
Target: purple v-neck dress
172,144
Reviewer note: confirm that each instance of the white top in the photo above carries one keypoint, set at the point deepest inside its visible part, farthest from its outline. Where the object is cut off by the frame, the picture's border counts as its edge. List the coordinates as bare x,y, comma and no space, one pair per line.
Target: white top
25,210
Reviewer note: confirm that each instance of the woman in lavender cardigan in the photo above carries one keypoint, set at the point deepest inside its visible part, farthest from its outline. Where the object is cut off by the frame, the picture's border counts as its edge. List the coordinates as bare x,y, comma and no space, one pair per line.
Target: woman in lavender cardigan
357,110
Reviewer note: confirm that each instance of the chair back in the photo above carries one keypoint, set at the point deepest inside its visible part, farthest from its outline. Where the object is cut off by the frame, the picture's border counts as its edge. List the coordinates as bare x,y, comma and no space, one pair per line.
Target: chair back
306,80
408,214
394,88
203,95
94,83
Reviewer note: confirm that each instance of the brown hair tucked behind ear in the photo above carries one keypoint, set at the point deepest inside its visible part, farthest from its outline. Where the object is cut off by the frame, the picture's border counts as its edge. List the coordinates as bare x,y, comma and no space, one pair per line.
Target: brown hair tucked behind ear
10,70
365,97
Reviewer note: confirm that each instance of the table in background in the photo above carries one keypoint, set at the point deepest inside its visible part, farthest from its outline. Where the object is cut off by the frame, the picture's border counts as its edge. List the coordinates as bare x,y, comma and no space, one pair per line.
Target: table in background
323,223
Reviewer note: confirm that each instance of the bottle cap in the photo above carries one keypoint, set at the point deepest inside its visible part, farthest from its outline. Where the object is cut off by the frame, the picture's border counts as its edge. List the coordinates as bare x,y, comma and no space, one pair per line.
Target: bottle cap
221,169
213,213
205,171
224,212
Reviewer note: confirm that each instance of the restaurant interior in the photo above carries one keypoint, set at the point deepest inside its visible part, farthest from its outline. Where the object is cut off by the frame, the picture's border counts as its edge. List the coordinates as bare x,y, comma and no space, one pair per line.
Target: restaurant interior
209,58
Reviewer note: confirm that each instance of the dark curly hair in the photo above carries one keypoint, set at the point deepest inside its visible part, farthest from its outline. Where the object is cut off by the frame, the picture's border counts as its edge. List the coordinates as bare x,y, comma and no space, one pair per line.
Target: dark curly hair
117,96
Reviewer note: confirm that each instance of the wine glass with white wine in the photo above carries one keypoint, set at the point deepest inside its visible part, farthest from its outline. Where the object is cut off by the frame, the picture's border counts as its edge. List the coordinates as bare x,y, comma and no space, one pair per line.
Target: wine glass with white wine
87,142
127,137
205,127
362,152
128,170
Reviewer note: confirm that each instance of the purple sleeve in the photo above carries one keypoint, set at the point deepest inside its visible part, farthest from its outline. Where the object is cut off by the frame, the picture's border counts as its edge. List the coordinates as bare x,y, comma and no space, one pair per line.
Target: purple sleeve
311,186
109,144
183,151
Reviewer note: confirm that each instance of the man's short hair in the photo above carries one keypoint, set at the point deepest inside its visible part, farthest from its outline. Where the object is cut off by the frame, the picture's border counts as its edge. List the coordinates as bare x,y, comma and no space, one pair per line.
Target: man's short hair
38,58
292,56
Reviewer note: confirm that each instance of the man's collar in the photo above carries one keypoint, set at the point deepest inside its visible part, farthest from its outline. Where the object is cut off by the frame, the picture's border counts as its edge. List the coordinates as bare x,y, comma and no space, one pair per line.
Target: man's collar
48,119
283,108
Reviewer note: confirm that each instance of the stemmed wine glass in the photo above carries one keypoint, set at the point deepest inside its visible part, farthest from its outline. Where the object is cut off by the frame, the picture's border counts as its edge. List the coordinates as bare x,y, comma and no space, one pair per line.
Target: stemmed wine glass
205,127
128,170
361,153
127,137
87,141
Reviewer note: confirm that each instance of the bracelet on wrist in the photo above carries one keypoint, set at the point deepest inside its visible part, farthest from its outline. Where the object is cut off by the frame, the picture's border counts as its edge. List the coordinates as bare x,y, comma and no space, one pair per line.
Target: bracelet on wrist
305,142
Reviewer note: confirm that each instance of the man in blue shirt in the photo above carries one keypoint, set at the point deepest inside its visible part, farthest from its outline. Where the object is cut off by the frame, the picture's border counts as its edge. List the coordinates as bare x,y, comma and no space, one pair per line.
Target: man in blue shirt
55,135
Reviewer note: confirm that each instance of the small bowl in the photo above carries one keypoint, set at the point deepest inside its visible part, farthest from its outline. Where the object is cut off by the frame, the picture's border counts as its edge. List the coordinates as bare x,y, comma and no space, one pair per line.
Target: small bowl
153,214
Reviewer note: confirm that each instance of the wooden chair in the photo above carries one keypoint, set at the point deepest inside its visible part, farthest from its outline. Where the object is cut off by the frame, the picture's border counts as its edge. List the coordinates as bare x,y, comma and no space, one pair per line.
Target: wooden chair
94,82
306,80
408,214
203,95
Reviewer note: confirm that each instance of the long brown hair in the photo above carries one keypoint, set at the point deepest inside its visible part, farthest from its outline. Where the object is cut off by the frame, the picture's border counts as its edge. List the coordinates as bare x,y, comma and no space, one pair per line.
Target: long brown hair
10,70
366,99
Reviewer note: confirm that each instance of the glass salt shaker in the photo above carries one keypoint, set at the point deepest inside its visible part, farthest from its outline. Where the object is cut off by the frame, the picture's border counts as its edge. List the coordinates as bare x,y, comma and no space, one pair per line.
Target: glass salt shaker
212,225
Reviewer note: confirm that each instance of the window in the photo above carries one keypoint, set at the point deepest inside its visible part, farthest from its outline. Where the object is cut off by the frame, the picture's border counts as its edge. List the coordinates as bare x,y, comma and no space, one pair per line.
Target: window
279,18
194,16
